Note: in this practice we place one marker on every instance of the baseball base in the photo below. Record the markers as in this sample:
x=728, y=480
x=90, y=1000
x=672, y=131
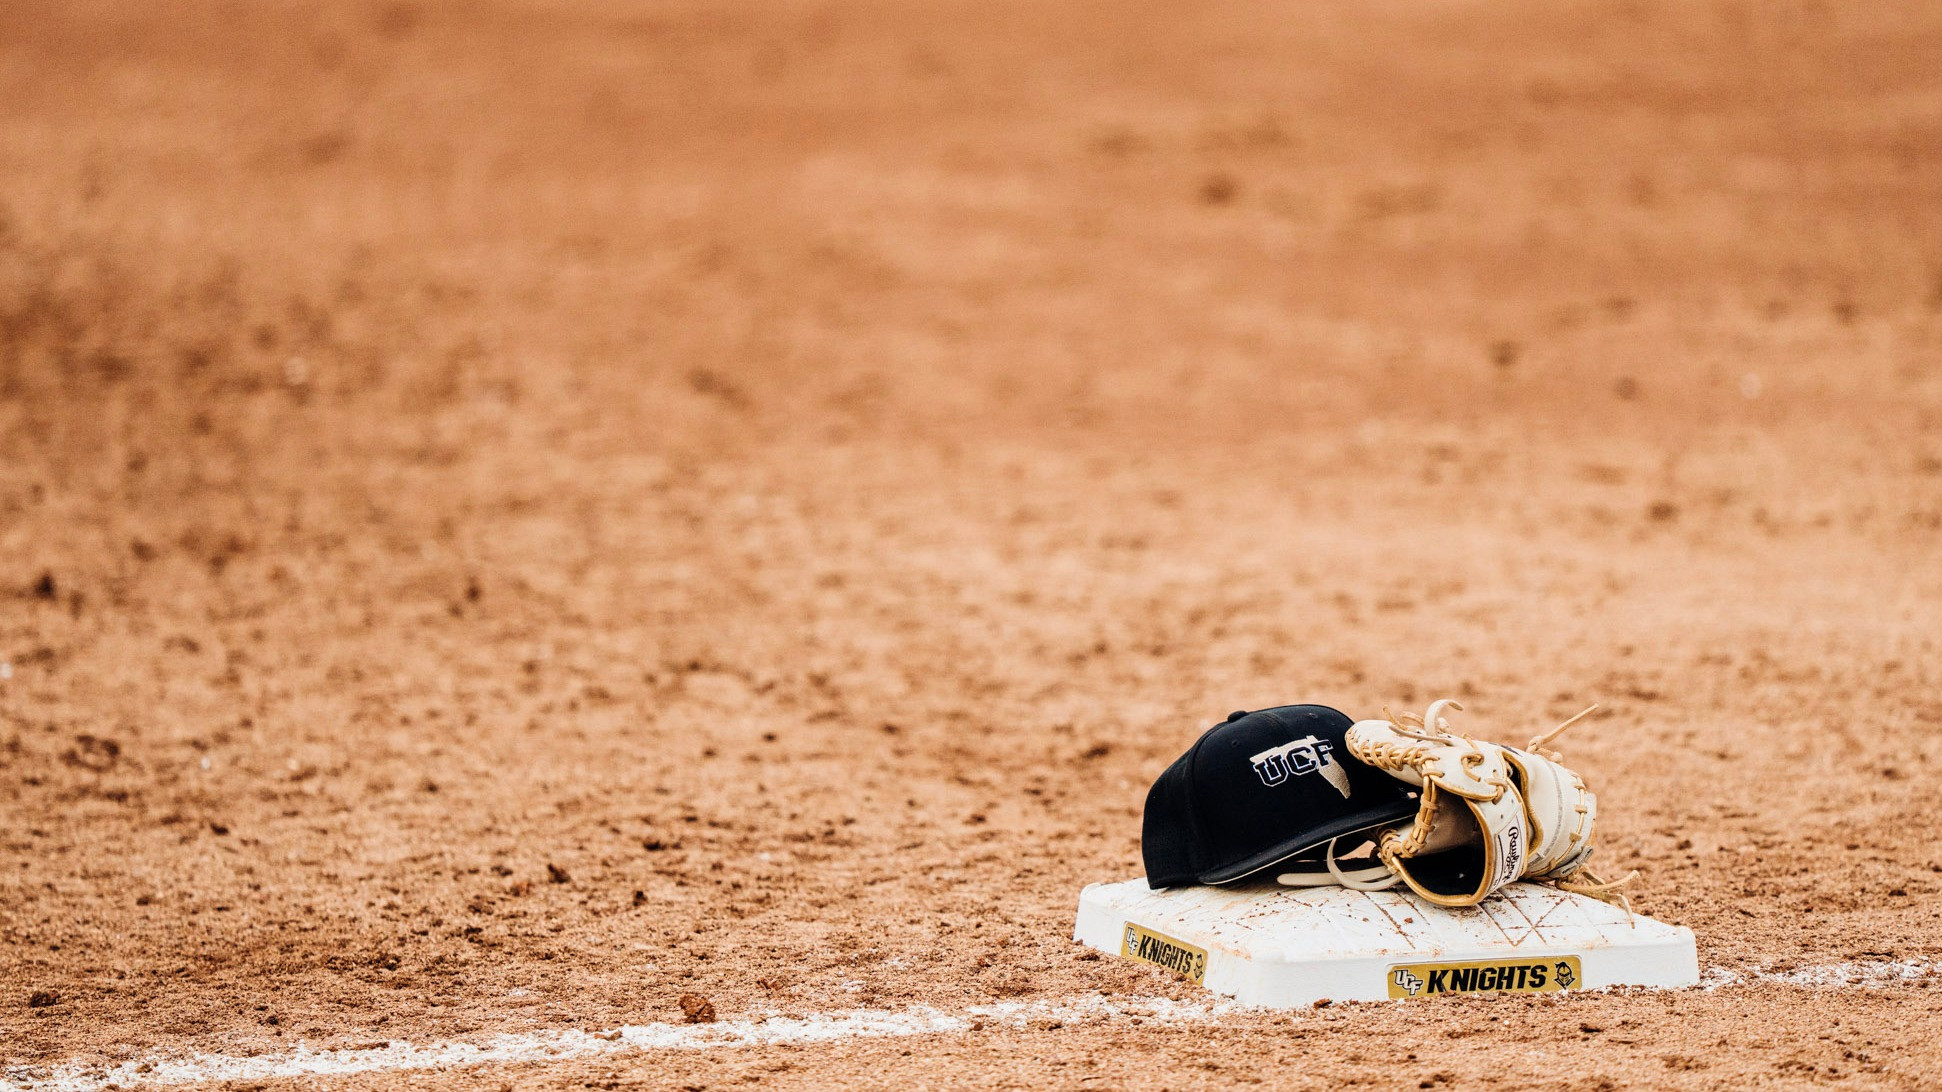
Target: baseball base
x=1290, y=947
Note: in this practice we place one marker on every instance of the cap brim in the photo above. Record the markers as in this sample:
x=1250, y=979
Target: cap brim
x=1319, y=836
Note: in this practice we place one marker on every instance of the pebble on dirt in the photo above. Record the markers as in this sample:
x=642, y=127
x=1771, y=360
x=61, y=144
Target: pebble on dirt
x=696, y=1009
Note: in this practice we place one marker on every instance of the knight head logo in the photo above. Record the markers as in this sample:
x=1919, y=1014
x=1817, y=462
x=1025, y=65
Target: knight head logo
x=1563, y=975
x=1304, y=756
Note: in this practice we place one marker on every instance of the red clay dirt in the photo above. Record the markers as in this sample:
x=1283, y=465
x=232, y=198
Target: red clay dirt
x=514, y=514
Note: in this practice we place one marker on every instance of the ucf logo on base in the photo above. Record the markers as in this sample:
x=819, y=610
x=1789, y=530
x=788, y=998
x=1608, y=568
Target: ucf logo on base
x=1147, y=946
x=1508, y=976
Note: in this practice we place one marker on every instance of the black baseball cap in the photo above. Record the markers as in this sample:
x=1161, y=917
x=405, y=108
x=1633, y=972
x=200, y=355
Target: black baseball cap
x=1259, y=789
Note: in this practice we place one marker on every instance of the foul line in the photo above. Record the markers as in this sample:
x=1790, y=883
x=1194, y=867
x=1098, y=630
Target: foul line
x=555, y=1046
x=1827, y=975
x=558, y=1046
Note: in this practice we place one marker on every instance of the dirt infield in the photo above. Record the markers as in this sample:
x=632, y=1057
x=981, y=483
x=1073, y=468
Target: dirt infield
x=515, y=515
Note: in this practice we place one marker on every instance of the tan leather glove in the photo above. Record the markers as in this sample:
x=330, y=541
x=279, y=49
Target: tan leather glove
x=1487, y=815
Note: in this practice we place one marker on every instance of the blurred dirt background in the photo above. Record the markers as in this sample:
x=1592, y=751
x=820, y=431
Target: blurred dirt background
x=514, y=513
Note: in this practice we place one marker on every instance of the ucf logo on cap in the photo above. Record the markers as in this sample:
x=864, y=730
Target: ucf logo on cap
x=1303, y=756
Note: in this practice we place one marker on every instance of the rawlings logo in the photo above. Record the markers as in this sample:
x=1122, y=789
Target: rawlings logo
x=1512, y=864
x=1303, y=756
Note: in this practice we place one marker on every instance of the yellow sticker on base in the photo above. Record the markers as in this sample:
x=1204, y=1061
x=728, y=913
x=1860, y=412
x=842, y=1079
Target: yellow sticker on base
x=1548, y=975
x=1141, y=943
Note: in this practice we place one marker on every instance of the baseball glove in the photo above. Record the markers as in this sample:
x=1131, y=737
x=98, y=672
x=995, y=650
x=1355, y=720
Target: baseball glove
x=1486, y=814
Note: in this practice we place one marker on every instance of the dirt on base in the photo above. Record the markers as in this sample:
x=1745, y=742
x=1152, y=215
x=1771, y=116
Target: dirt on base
x=514, y=515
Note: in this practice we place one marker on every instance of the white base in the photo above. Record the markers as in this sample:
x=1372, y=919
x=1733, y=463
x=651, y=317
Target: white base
x=1287, y=947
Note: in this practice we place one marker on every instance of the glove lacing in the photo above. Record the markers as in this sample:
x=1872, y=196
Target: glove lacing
x=1378, y=878
x=1602, y=890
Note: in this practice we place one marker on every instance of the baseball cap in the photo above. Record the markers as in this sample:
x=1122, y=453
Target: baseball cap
x=1258, y=789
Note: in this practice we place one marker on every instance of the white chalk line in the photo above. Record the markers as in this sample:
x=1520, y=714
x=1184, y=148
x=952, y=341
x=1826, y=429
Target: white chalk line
x=555, y=1046
x=774, y=1030
x=1871, y=973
